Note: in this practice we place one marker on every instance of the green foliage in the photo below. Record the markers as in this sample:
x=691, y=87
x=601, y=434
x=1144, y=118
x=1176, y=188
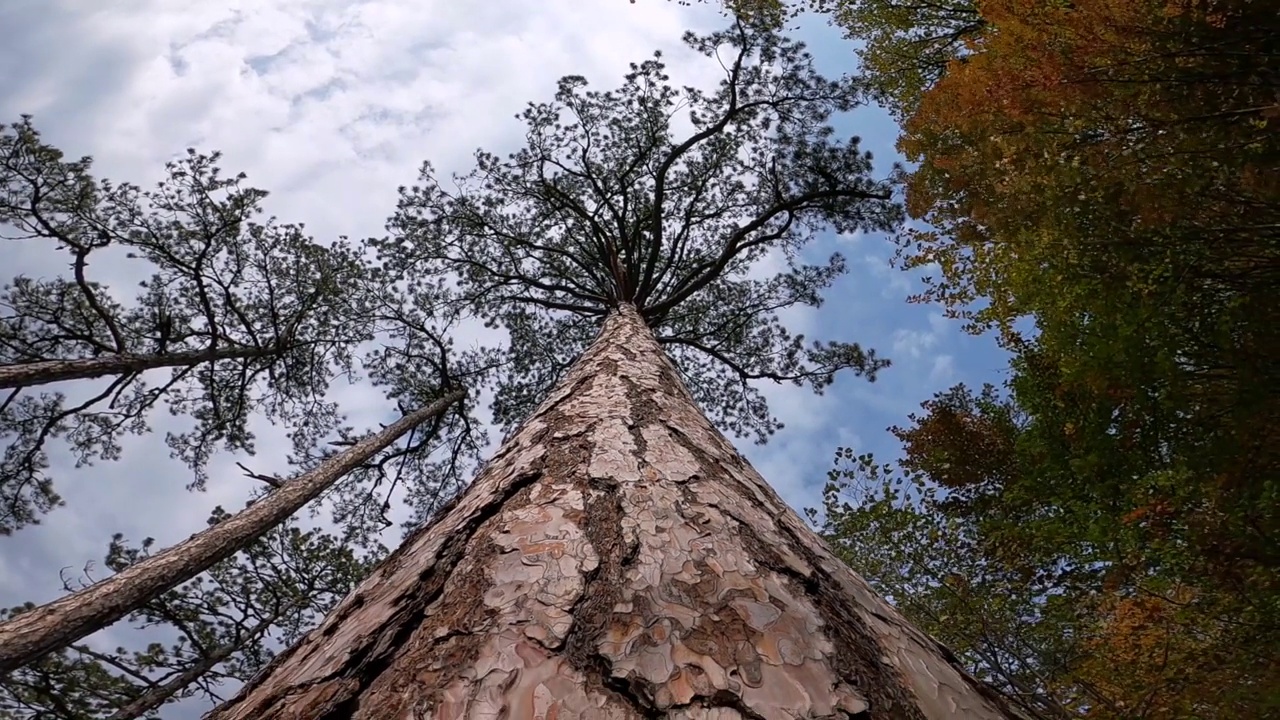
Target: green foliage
x=1010, y=629
x=905, y=46
x=666, y=198
x=253, y=320
x=1038, y=545
x=228, y=624
x=215, y=279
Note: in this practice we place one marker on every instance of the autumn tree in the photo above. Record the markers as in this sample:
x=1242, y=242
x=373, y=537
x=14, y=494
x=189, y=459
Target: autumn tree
x=1144, y=658
x=246, y=316
x=1147, y=256
x=1052, y=643
x=1013, y=576
x=1091, y=184
x=617, y=557
x=1022, y=544
x=902, y=46
x=905, y=46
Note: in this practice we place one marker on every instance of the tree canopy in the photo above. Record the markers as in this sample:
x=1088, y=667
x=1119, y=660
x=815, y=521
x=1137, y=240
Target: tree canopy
x=1092, y=187
x=251, y=317
x=252, y=320
x=666, y=198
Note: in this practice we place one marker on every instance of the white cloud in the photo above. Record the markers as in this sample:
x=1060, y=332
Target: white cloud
x=913, y=343
x=325, y=99
x=896, y=284
x=850, y=239
x=944, y=368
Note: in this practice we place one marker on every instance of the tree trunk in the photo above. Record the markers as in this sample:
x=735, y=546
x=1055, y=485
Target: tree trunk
x=615, y=559
x=65, y=620
x=49, y=371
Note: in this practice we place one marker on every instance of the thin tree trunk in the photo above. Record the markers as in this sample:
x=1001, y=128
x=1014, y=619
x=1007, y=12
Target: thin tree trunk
x=65, y=620
x=160, y=694
x=615, y=559
x=49, y=371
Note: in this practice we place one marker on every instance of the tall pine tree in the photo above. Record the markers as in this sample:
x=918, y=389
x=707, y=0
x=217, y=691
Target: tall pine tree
x=617, y=558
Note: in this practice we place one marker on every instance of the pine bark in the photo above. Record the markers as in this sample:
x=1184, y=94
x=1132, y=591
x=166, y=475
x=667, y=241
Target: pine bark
x=57, y=624
x=50, y=371
x=615, y=559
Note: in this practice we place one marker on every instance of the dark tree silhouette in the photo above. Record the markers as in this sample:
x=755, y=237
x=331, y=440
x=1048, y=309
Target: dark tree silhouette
x=248, y=316
x=666, y=198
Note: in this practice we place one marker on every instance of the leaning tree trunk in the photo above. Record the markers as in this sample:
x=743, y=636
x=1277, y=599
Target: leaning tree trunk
x=615, y=559
x=57, y=624
x=43, y=372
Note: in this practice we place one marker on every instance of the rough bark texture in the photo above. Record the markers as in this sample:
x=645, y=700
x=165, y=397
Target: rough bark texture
x=48, y=371
x=615, y=559
x=53, y=625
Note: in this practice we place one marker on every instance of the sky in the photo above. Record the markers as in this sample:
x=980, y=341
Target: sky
x=332, y=104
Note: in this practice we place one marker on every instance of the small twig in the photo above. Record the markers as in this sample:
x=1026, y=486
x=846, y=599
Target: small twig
x=62, y=575
x=271, y=480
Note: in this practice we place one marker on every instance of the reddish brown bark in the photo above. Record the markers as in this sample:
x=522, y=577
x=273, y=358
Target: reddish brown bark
x=57, y=624
x=615, y=559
